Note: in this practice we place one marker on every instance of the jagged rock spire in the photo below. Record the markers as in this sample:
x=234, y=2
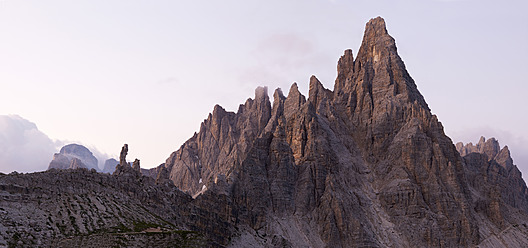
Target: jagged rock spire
x=122, y=157
x=377, y=72
x=345, y=68
x=377, y=43
x=135, y=165
x=490, y=148
x=294, y=101
x=124, y=168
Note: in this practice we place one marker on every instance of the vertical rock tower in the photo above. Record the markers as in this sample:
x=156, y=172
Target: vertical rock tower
x=364, y=165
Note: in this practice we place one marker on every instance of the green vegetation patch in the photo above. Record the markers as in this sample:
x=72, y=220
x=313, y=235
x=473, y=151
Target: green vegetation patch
x=141, y=226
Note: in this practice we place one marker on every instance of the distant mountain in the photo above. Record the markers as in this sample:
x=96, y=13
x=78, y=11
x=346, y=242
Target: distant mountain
x=364, y=165
x=110, y=165
x=490, y=169
x=74, y=156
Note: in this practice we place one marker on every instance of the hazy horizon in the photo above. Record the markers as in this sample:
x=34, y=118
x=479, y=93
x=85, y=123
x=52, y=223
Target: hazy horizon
x=102, y=74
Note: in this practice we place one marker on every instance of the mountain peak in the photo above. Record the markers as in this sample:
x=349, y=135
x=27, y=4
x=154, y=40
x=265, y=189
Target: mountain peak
x=261, y=93
x=376, y=25
x=278, y=94
x=377, y=44
x=294, y=101
x=345, y=66
x=490, y=148
x=65, y=158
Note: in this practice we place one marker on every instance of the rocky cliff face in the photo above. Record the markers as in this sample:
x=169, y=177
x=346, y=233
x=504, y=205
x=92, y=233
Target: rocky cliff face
x=491, y=171
x=499, y=194
x=363, y=165
x=73, y=156
x=366, y=164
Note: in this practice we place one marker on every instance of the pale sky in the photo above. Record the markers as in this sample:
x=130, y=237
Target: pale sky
x=147, y=73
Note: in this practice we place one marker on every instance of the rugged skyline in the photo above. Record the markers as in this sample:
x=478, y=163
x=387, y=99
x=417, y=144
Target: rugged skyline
x=366, y=164
x=84, y=71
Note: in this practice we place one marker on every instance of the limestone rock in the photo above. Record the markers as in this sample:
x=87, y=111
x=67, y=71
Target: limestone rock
x=489, y=147
x=123, y=154
x=493, y=174
x=224, y=139
x=123, y=169
x=162, y=176
x=364, y=165
x=63, y=159
x=294, y=101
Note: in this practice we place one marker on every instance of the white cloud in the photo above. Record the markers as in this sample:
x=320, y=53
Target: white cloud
x=23, y=147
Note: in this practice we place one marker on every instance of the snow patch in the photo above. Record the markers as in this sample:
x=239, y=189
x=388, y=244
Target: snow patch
x=200, y=181
x=200, y=192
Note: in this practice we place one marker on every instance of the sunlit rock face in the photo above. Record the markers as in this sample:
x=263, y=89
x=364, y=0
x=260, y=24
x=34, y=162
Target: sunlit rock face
x=68, y=156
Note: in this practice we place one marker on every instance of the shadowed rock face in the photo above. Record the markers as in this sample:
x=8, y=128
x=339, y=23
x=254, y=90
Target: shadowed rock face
x=490, y=148
x=68, y=153
x=492, y=172
x=364, y=165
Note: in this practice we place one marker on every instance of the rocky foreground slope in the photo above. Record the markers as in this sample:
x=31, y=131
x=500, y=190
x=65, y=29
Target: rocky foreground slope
x=85, y=208
x=364, y=165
